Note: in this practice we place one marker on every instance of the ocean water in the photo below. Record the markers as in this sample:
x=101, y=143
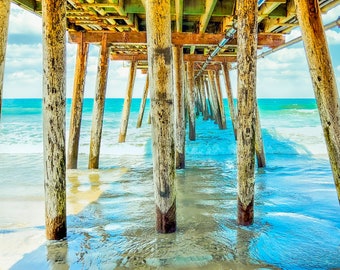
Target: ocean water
x=111, y=215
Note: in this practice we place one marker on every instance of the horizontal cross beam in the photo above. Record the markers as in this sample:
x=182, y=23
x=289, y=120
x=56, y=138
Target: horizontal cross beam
x=181, y=39
x=186, y=58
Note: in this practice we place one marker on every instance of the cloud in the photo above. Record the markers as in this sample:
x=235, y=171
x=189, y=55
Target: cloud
x=23, y=84
x=24, y=27
x=122, y=70
x=333, y=37
x=293, y=34
x=284, y=73
x=286, y=63
x=23, y=62
x=331, y=15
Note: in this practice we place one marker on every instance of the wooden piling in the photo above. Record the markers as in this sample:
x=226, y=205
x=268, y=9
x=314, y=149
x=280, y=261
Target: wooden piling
x=226, y=76
x=98, y=105
x=4, y=20
x=142, y=104
x=77, y=105
x=158, y=19
x=209, y=100
x=323, y=79
x=259, y=149
x=203, y=98
x=127, y=102
x=191, y=101
x=54, y=111
x=198, y=98
x=149, y=118
x=179, y=106
x=246, y=58
x=214, y=99
x=220, y=101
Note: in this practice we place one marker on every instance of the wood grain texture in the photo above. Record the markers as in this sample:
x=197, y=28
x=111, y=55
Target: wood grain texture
x=98, y=106
x=162, y=112
x=226, y=76
x=191, y=101
x=323, y=80
x=246, y=58
x=179, y=106
x=54, y=111
x=220, y=101
x=259, y=148
x=4, y=20
x=142, y=104
x=127, y=103
x=77, y=105
x=214, y=99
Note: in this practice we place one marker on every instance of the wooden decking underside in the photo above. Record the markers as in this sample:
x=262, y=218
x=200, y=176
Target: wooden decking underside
x=197, y=25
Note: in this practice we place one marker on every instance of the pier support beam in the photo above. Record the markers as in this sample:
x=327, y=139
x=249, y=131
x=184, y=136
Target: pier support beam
x=214, y=99
x=246, y=57
x=77, y=105
x=226, y=77
x=98, y=106
x=179, y=106
x=220, y=101
x=4, y=20
x=259, y=149
x=191, y=101
x=127, y=102
x=54, y=111
x=323, y=79
x=142, y=104
x=158, y=19
x=203, y=98
x=209, y=100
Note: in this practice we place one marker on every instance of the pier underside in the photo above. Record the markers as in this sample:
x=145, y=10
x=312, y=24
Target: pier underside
x=184, y=46
x=197, y=25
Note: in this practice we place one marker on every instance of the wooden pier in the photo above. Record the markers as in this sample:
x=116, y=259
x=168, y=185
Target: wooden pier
x=184, y=47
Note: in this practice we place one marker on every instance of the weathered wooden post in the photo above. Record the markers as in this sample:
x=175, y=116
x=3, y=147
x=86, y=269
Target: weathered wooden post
x=179, y=106
x=203, y=98
x=209, y=101
x=220, y=101
x=226, y=77
x=4, y=20
x=214, y=98
x=98, y=105
x=323, y=79
x=191, y=101
x=198, y=107
x=127, y=102
x=149, y=118
x=158, y=19
x=77, y=105
x=246, y=59
x=198, y=98
x=259, y=149
x=142, y=104
x=54, y=111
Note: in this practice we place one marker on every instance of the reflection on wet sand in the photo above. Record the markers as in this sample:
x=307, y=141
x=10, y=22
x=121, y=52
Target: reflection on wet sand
x=113, y=224
x=80, y=194
x=57, y=255
x=85, y=187
x=22, y=231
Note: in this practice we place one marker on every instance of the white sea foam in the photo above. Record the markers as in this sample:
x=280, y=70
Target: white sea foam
x=111, y=211
x=21, y=148
x=303, y=140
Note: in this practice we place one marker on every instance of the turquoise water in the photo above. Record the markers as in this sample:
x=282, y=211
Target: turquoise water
x=111, y=223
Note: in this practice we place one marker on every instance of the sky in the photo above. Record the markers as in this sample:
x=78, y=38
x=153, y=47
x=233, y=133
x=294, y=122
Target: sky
x=283, y=74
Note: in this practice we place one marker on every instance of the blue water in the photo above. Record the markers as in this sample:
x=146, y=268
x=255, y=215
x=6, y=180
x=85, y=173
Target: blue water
x=296, y=226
